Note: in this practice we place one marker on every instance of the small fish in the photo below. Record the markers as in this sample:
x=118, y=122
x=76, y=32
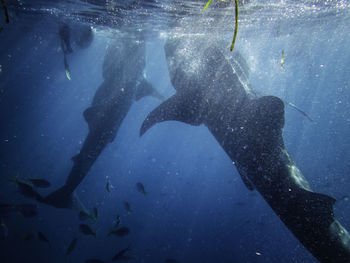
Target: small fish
x=93, y=260
x=108, y=187
x=127, y=207
x=28, y=236
x=26, y=189
x=27, y=210
x=120, y=232
x=86, y=230
x=282, y=59
x=121, y=255
x=4, y=232
x=68, y=74
x=37, y=182
x=141, y=188
x=71, y=246
x=43, y=238
x=301, y=111
x=95, y=213
x=66, y=67
x=83, y=215
x=117, y=222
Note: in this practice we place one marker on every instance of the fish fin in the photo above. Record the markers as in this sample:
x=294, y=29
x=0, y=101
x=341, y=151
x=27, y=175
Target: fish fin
x=268, y=112
x=66, y=67
x=110, y=232
x=97, y=230
x=92, y=217
x=182, y=106
x=64, y=198
x=61, y=198
x=308, y=206
x=146, y=89
x=318, y=203
x=75, y=158
x=92, y=114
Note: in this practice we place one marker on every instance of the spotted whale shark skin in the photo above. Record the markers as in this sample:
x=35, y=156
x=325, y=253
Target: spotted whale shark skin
x=211, y=90
x=124, y=83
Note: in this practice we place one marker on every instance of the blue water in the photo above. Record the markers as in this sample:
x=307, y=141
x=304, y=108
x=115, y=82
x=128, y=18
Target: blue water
x=197, y=209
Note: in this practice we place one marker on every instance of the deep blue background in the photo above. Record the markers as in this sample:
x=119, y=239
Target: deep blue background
x=197, y=209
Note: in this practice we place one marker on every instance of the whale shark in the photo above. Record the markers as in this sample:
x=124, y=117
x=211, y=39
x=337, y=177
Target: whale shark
x=212, y=90
x=124, y=82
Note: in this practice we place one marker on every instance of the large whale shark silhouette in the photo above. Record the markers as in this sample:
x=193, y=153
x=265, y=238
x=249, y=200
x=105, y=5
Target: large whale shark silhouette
x=124, y=82
x=212, y=90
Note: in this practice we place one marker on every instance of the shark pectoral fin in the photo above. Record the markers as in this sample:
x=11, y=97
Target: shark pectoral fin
x=184, y=107
x=75, y=158
x=91, y=114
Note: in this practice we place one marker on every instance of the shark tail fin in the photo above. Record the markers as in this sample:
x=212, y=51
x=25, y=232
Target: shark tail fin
x=64, y=198
x=185, y=107
x=61, y=198
x=146, y=89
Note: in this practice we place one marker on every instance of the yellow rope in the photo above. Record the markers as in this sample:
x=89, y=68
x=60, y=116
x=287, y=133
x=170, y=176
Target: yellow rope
x=206, y=6
x=236, y=26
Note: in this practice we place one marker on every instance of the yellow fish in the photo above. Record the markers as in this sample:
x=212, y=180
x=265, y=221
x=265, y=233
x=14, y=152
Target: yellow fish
x=282, y=59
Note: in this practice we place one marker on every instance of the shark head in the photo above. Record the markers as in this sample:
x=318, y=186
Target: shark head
x=204, y=78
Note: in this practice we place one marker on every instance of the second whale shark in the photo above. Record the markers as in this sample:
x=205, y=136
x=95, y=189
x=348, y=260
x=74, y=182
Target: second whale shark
x=211, y=89
x=124, y=82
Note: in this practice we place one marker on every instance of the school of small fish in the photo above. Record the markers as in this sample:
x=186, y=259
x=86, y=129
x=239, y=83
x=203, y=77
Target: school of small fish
x=28, y=210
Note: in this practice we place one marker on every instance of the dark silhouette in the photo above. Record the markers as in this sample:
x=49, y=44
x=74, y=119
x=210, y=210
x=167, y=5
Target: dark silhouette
x=124, y=82
x=210, y=90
